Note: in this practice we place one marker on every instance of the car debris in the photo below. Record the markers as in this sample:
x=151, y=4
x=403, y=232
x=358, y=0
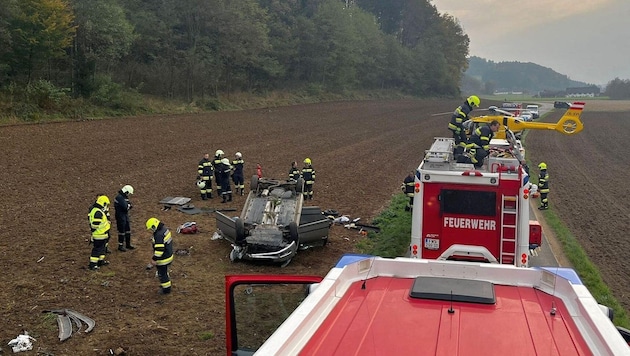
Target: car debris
x=23, y=342
x=65, y=319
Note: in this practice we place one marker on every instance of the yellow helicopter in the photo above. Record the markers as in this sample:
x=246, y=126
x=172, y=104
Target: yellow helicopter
x=569, y=123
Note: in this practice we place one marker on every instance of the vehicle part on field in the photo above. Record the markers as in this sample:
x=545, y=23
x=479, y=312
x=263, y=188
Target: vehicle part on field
x=65, y=318
x=65, y=327
x=212, y=210
x=175, y=200
x=331, y=212
x=189, y=209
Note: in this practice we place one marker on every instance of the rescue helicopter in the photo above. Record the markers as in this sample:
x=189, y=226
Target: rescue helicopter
x=569, y=123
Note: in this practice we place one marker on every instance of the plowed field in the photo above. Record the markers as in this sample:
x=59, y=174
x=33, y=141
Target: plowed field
x=361, y=152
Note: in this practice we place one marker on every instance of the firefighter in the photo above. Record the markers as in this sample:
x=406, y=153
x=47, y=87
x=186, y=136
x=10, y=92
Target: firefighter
x=162, y=242
x=238, y=177
x=308, y=174
x=457, y=120
x=205, y=173
x=543, y=186
x=294, y=172
x=225, y=170
x=479, y=143
x=408, y=187
x=216, y=163
x=98, y=217
x=122, y=205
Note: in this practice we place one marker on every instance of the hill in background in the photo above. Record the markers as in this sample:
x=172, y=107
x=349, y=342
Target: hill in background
x=488, y=77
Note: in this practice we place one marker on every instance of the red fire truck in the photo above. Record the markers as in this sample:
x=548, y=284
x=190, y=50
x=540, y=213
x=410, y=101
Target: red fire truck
x=479, y=214
x=473, y=214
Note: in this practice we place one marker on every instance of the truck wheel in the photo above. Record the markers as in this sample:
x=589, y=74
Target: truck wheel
x=293, y=232
x=299, y=186
x=239, y=228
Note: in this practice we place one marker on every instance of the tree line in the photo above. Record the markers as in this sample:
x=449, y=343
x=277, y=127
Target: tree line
x=196, y=49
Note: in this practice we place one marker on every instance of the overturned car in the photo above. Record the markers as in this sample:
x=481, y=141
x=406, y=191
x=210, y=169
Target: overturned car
x=274, y=224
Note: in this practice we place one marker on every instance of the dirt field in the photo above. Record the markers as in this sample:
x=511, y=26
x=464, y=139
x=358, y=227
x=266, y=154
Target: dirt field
x=361, y=152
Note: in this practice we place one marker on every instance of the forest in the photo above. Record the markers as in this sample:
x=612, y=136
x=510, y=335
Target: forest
x=105, y=51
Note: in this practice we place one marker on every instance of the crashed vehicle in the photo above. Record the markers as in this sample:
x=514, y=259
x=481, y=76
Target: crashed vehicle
x=274, y=223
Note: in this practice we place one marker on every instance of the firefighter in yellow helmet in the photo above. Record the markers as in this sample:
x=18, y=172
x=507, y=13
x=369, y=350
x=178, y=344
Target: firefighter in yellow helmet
x=457, y=120
x=162, y=252
x=98, y=218
x=308, y=174
x=543, y=186
x=408, y=187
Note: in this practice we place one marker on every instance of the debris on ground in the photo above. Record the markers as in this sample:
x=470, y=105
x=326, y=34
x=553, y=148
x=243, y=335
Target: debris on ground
x=65, y=320
x=184, y=251
x=189, y=227
x=23, y=342
x=216, y=236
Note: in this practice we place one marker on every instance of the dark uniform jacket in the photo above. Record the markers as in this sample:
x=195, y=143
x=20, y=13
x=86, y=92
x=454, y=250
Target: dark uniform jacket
x=482, y=136
x=205, y=169
x=122, y=206
x=162, y=245
x=459, y=116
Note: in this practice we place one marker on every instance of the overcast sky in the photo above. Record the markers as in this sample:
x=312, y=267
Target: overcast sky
x=587, y=40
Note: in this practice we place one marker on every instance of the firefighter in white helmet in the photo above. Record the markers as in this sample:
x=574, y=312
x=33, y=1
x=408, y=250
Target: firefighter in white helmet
x=308, y=174
x=225, y=170
x=122, y=205
x=238, y=176
x=205, y=174
x=216, y=164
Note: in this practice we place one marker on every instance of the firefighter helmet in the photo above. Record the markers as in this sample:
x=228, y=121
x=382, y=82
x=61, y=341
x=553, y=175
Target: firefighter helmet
x=127, y=189
x=542, y=165
x=238, y=155
x=473, y=101
x=201, y=184
x=103, y=201
x=219, y=153
x=225, y=161
x=307, y=161
x=152, y=223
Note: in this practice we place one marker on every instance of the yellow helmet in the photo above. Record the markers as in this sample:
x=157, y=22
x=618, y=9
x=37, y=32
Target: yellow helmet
x=542, y=165
x=152, y=223
x=102, y=200
x=473, y=101
x=307, y=161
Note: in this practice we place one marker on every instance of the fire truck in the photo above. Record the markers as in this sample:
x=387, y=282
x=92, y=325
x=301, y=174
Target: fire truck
x=476, y=214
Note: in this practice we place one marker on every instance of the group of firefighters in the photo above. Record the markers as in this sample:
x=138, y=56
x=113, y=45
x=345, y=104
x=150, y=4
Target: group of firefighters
x=220, y=169
x=475, y=149
x=100, y=225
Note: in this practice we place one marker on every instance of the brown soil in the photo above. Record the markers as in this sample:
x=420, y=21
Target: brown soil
x=361, y=151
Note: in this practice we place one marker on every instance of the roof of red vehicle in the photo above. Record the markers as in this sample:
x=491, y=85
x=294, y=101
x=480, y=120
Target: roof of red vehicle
x=383, y=319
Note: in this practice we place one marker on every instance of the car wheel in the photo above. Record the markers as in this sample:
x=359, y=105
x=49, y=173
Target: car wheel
x=293, y=232
x=285, y=263
x=239, y=228
x=233, y=255
x=254, y=183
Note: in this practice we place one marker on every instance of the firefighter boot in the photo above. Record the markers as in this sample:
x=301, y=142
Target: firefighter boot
x=121, y=241
x=203, y=196
x=229, y=197
x=224, y=198
x=128, y=244
x=164, y=291
x=210, y=195
x=102, y=263
x=93, y=267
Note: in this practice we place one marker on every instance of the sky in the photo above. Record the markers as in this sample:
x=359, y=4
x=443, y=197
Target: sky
x=587, y=40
